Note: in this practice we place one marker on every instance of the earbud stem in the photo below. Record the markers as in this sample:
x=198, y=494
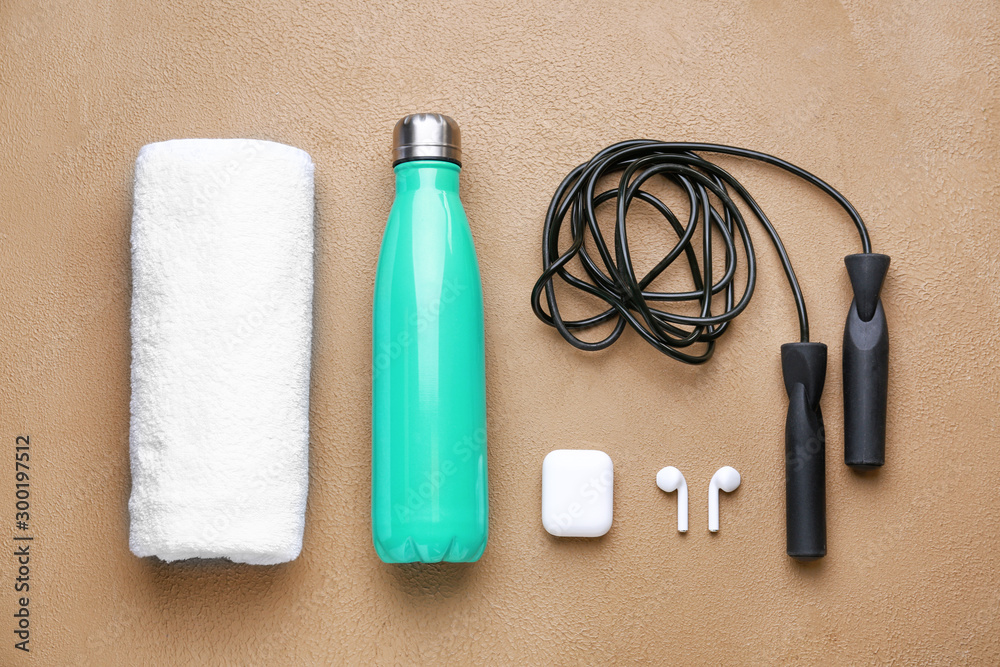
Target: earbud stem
x=803, y=366
x=682, y=508
x=713, y=507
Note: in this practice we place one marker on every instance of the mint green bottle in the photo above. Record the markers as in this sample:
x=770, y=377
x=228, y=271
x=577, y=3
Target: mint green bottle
x=429, y=495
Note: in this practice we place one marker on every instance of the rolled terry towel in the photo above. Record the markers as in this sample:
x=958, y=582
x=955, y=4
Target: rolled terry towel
x=222, y=283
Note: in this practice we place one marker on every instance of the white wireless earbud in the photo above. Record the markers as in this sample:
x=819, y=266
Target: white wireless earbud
x=727, y=479
x=670, y=479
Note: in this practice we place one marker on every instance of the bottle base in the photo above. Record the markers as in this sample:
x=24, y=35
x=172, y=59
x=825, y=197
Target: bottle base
x=445, y=551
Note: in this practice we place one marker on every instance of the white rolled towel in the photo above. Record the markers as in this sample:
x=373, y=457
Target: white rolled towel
x=222, y=285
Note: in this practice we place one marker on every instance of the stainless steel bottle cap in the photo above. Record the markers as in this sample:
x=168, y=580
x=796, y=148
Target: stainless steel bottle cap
x=426, y=136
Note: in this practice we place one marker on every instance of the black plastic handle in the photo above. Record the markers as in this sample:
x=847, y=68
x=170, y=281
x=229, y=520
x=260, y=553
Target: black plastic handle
x=803, y=366
x=866, y=364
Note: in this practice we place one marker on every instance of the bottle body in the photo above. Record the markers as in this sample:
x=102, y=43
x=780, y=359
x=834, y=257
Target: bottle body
x=429, y=482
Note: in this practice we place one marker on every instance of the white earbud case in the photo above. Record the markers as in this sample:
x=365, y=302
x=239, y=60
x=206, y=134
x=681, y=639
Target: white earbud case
x=577, y=487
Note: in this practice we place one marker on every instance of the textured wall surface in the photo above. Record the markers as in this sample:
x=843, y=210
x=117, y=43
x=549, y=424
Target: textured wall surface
x=895, y=103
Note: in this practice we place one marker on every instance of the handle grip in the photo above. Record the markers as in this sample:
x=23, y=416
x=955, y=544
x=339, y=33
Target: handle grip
x=803, y=366
x=866, y=364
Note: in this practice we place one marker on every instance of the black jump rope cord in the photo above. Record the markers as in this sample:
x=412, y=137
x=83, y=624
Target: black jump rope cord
x=618, y=285
x=712, y=208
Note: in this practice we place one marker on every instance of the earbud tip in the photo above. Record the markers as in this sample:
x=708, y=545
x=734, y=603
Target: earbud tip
x=729, y=479
x=668, y=479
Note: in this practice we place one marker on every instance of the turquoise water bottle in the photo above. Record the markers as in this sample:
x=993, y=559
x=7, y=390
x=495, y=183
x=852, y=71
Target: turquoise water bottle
x=429, y=496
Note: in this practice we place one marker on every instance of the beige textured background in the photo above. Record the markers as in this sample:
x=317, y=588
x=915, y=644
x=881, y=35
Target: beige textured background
x=893, y=102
